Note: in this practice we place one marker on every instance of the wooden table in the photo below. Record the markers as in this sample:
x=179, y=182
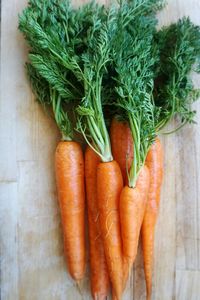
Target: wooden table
x=32, y=263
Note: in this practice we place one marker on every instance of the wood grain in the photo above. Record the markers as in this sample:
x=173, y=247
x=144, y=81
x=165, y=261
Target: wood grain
x=32, y=263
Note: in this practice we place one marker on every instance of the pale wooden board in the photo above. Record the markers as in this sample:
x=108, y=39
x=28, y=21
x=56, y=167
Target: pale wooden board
x=32, y=263
x=187, y=284
x=9, y=241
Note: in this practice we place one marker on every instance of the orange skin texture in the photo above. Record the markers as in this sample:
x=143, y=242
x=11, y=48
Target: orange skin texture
x=122, y=145
x=109, y=187
x=126, y=272
x=99, y=277
x=154, y=161
x=132, y=209
x=69, y=167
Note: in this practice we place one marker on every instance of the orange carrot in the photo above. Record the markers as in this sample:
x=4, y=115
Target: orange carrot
x=132, y=209
x=154, y=161
x=69, y=167
x=99, y=274
x=109, y=186
x=122, y=145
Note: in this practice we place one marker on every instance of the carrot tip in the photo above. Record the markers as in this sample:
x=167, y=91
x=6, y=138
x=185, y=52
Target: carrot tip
x=100, y=297
x=79, y=286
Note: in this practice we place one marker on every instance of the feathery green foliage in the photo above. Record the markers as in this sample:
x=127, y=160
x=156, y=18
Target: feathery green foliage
x=69, y=49
x=94, y=56
x=97, y=61
x=47, y=96
x=90, y=110
x=58, y=35
x=135, y=62
x=127, y=13
x=179, y=46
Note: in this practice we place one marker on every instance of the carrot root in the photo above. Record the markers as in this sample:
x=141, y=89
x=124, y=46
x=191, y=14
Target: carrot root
x=69, y=167
x=99, y=278
x=132, y=208
x=154, y=161
x=109, y=186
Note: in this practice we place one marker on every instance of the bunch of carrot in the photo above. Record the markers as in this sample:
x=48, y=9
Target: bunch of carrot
x=124, y=81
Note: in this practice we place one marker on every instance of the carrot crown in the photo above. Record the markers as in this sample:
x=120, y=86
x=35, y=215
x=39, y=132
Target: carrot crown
x=134, y=64
x=70, y=50
x=91, y=119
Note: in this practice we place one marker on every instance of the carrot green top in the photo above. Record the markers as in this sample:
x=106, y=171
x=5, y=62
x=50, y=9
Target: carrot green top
x=75, y=54
x=135, y=62
x=96, y=61
x=70, y=49
x=48, y=96
x=153, y=79
x=43, y=24
x=179, y=46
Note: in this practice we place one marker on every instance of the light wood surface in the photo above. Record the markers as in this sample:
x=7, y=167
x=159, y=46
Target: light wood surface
x=32, y=263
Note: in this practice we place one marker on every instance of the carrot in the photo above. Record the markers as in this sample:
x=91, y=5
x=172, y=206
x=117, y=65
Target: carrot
x=122, y=150
x=91, y=123
x=69, y=167
x=109, y=186
x=154, y=161
x=126, y=273
x=132, y=208
x=122, y=145
x=99, y=274
x=134, y=76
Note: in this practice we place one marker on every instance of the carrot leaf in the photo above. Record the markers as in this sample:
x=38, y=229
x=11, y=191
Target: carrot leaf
x=179, y=46
x=47, y=96
x=135, y=61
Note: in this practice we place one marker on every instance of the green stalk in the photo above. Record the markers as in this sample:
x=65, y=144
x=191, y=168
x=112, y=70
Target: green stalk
x=95, y=137
x=96, y=130
x=60, y=116
x=135, y=166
